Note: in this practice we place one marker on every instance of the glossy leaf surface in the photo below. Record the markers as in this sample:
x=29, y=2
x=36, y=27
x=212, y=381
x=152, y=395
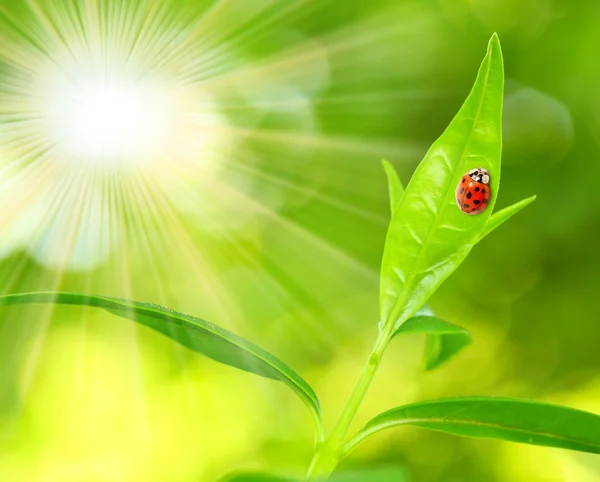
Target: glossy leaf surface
x=194, y=333
x=444, y=341
x=515, y=420
x=429, y=236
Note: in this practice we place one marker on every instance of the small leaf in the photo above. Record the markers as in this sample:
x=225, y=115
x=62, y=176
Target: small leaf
x=396, y=189
x=375, y=474
x=505, y=214
x=194, y=333
x=429, y=236
x=522, y=421
x=444, y=341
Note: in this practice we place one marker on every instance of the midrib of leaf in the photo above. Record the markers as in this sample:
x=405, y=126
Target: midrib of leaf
x=396, y=311
x=363, y=435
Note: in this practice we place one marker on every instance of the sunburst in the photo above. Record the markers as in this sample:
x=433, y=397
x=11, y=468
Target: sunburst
x=155, y=149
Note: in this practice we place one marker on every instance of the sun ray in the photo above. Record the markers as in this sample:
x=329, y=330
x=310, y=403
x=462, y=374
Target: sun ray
x=173, y=151
x=71, y=40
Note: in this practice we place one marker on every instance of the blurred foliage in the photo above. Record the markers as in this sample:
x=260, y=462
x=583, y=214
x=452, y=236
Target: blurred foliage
x=287, y=253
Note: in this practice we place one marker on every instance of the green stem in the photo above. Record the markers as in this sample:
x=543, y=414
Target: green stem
x=328, y=456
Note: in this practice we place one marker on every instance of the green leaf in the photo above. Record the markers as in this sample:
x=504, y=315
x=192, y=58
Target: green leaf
x=396, y=191
x=444, y=341
x=505, y=214
x=194, y=333
x=522, y=421
x=375, y=474
x=395, y=186
x=429, y=236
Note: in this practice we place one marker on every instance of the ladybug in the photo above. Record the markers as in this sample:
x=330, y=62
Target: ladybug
x=473, y=191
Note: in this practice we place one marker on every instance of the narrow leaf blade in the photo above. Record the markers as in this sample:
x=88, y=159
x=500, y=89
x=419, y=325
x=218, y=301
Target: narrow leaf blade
x=396, y=189
x=194, y=333
x=505, y=214
x=514, y=420
x=429, y=236
x=444, y=339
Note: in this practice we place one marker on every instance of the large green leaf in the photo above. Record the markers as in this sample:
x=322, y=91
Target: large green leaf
x=194, y=333
x=396, y=191
x=509, y=419
x=428, y=235
x=375, y=474
x=444, y=341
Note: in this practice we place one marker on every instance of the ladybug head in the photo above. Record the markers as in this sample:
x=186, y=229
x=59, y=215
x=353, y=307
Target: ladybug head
x=480, y=174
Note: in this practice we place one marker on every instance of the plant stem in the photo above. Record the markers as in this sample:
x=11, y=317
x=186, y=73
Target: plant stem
x=327, y=457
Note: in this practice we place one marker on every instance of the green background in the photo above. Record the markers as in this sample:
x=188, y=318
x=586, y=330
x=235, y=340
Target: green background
x=282, y=242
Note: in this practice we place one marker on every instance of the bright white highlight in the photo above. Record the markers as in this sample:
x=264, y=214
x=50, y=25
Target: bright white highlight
x=102, y=146
x=108, y=123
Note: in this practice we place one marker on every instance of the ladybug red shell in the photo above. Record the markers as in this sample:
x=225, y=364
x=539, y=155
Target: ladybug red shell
x=473, y=191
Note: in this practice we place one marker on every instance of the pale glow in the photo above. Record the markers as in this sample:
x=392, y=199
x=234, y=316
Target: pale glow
x=108, y=143
x=108, y=122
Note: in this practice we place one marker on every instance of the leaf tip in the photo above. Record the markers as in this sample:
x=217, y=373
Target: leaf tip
x=528, y=200
x=494, y=41
x=494, y=47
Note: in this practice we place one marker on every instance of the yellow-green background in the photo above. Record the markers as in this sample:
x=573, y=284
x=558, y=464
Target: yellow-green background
x=286, y=250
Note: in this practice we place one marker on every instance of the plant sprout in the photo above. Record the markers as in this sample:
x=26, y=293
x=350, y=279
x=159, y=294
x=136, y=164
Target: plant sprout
x=427, y=240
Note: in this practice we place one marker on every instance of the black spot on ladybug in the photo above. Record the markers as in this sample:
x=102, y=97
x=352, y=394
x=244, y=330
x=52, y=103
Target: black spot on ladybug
x=469, y=194
x=462, y=190
x=485, y=201
x=477, y=202
x=476, y=189
x=466, y=206
x=483, y=191
x=464, y=179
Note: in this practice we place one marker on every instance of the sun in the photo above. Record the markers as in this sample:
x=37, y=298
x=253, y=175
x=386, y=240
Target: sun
x=109, y=115
x=108, y=122
x=101, y=137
